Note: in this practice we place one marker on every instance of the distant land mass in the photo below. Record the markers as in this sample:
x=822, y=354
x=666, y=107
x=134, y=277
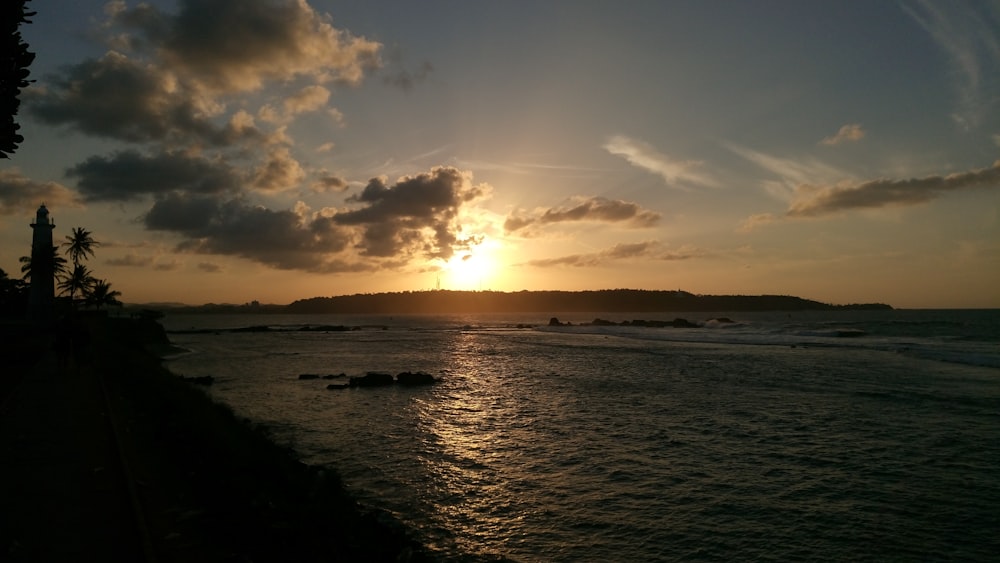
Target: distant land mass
x=607, y=300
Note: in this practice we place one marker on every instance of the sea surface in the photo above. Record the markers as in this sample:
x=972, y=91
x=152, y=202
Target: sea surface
x=819, y=436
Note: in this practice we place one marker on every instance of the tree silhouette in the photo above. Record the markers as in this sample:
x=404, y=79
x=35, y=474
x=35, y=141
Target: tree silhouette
x=58, y=265
x=80, y=245
x=14, y=61
x=101, y=294
x=79, y=280
x=13, y=295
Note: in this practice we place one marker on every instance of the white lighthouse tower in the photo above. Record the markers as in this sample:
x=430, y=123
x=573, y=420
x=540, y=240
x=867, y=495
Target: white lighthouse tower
x=41, y=295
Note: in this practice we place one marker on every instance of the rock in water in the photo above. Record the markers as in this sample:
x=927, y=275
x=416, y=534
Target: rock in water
x=372, y=379
x=418, y=378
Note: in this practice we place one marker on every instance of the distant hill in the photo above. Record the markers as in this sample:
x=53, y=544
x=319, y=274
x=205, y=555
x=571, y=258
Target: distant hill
x=608, y=300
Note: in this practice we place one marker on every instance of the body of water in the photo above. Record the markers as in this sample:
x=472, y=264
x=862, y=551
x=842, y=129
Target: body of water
x=865, y=435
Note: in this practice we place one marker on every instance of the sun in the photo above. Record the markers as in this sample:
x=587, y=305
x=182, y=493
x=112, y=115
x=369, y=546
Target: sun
x=471, y=270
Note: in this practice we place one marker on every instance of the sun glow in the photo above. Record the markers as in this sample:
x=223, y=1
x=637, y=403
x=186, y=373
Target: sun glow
x=471, y=270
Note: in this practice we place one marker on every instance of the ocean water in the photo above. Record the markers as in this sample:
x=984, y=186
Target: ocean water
x=820, y=436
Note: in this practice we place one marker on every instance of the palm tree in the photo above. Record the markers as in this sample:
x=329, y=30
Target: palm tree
x=80, y=245
x=80, y=279
x=100, y=293
x=58, y=265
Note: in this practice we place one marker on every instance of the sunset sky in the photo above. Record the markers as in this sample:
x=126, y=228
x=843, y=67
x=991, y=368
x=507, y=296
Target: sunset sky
x=235, y=150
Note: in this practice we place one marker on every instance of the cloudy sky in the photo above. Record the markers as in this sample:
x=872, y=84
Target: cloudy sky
x=238, y=150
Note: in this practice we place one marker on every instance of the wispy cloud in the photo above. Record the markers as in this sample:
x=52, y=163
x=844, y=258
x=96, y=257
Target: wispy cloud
x=648, y=250
x=22, y=195
x=131, y=260
x=754, y=221
x=406, y=80
x=966, y=31
x=824, y=200
x=597, y=209
x=676, y=173
x=791, y=172
x=527, y=167
x=166, y=265
x=330, y=183
x=848, y=133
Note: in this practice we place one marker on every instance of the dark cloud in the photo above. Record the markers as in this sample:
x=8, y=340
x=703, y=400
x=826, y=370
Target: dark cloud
x=237, y=45
x=124, y=99
x=180, y=82
x=131, y=260
x=209, y=267
x=128, y=175
x=20, y=195
x=652, y=250
x=199, y=200
x=593, y=209
x=186, y=214
x=416, y=215
x=171, y=77
x=281, y=239
x=815, y=202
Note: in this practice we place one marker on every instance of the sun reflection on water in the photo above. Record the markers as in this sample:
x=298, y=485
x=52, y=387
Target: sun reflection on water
x=478, y=429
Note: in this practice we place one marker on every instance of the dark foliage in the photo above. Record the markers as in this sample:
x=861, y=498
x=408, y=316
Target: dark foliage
x=13, y=296
x=14, y=61
x=610, y=300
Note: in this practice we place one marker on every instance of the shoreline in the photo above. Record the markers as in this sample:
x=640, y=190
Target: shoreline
x=244, y=490
x=212, y=486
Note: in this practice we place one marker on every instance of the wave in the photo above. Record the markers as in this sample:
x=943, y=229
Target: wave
x=968, y=352
x=963, y=337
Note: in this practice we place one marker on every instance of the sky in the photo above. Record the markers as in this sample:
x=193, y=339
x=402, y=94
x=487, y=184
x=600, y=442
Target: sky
x=226, y=151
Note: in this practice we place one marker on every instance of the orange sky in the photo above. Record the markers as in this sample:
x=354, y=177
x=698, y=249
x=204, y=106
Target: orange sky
x=289, y=150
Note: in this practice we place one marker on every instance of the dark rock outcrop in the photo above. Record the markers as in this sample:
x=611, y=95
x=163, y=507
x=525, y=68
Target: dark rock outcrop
x=418, y=378
x=372, y=379
x=255, y=328
x=318, y=376
x=328, y=328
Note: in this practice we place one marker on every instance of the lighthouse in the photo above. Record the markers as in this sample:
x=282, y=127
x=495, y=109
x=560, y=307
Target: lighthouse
x=41, y=295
